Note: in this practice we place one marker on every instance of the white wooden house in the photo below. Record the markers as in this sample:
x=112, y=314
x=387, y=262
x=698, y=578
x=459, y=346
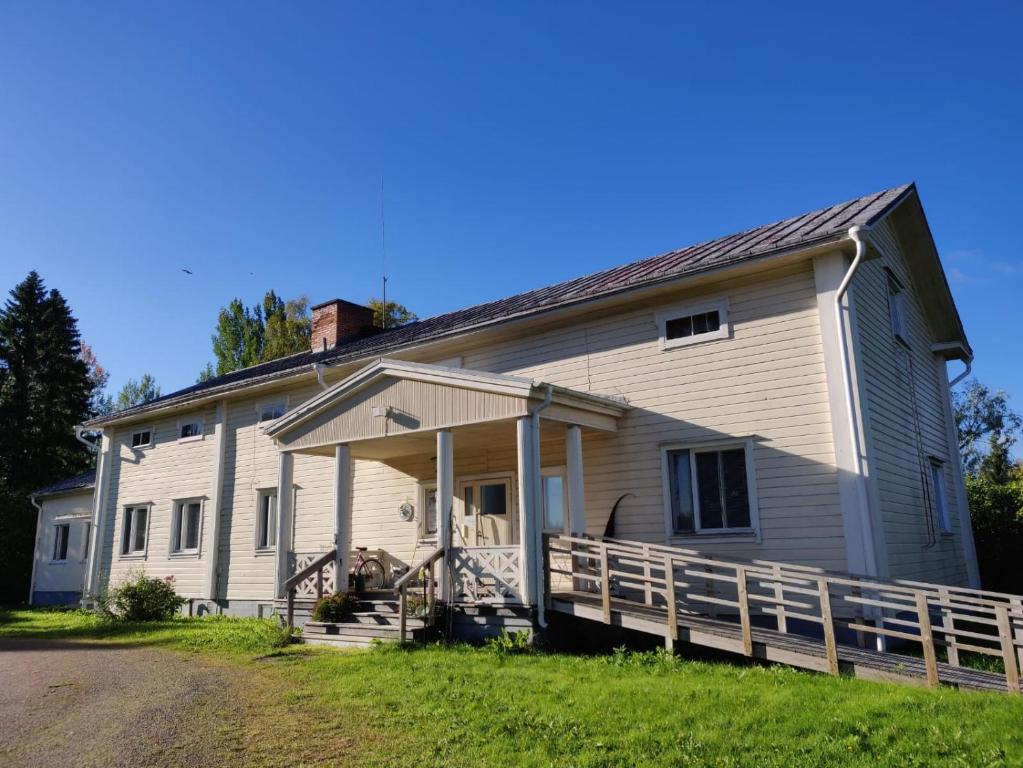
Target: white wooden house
x=63, y=528
x=779, y=394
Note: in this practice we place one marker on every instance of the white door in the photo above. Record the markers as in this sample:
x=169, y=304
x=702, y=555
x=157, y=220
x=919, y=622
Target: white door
x=487, y=515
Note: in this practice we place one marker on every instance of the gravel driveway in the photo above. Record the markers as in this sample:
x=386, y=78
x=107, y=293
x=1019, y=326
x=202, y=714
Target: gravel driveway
x=102, y=704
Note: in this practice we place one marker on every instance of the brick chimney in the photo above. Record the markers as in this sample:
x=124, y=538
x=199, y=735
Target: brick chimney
x=336, y=320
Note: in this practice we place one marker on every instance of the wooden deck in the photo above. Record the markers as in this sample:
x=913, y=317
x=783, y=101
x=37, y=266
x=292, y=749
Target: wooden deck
x=788, y=614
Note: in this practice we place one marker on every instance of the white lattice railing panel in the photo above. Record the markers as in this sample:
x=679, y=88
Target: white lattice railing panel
x=487, y=574
x=308, y=589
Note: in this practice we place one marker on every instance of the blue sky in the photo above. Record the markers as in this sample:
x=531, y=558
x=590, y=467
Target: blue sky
x=519, y=144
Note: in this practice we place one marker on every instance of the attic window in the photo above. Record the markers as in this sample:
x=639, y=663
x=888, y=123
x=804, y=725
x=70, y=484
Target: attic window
x=190, y=429
x=142, y=438
x=897, y=308
x=272, y=410
x=692, y=324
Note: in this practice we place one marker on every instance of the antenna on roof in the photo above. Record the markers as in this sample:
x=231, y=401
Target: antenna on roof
x=383, y=256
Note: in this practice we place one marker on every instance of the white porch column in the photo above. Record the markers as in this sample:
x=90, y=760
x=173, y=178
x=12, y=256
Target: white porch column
x=99, y=511
x=524, y=434
x=216, y=499
x=285, y=494
x=445, y=505
x=342, y=514
x=574, y=470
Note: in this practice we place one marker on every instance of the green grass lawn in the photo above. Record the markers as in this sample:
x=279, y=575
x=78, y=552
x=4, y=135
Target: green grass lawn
x=461, y=706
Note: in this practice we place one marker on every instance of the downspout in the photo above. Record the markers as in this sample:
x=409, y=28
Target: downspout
x=87, y=443
x=35, y=550
x=858, y=235
x=534, y=414
x=963, y=375
x=318, y=370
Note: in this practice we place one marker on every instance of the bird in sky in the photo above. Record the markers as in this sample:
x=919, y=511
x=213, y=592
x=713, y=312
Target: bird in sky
x=186, y=271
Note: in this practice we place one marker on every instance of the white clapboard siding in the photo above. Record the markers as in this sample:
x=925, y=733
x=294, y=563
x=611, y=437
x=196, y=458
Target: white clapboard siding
x=892, y=374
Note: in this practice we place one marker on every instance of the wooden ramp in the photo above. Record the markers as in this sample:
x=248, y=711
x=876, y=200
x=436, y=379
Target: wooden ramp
x=805, y=617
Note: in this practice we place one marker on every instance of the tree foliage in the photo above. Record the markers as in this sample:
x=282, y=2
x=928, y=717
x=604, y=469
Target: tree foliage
x=45, y=390
x=987, y=429
x=391, y=316
x=133, y=393
x=267, y=331
x=102, y=403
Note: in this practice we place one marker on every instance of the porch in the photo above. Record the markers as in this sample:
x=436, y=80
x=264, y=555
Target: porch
x=496, y=461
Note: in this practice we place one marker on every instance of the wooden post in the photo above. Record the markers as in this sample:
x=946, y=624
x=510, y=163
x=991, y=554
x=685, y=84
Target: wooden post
x=648, y=593
x=1016, y=622
x=291, y=608
x=285, y=491
x=605, y=584
x=319, y=584
x=445, y=502
x=711, y=591
x=431, y=601
x=948, y=624
x=744, y=620
x=1008, y=650
x=927, y=639
x=402, y=612
x=546, y=555
x=669, y=596
x=828, y=624
x=779, y=596
x=342, y=516
x=524, y=447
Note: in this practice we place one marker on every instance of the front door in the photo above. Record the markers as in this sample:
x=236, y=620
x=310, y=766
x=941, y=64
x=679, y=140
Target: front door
x=487, y=514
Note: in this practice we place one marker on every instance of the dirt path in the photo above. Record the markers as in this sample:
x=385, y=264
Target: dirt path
x=102, y=704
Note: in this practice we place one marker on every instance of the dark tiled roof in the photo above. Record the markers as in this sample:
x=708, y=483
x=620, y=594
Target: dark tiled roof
x=85, y=479
x=826, y=224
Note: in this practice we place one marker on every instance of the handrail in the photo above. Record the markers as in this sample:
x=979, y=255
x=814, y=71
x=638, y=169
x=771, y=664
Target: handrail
x=430, y=559
x=688, y=582
x=316, y=565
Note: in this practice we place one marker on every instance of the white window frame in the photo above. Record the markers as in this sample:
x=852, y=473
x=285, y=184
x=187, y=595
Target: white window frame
x=710, y=534
x=185, y=420
x=897, y=307
x=720, y=305
x=511, y=497
x=139, y=431
x=939, y=490
x=129, y=536
x=176, y=530
x=262, y=405
x=423, y=489
x=57, y=528
x=262, y=493
x=554, y=472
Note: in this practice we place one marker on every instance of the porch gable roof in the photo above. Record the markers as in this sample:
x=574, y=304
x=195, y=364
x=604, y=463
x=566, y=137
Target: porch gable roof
x=391, y=397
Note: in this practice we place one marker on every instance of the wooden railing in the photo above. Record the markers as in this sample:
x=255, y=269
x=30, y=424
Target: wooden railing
x=831, y=608
x=424, y=572
x=312, y=570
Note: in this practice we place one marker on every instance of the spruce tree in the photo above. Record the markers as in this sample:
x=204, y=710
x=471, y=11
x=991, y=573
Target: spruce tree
x=45, y=389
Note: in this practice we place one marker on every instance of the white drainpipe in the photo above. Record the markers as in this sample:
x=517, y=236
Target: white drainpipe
x=541, y=618
x=36, y=552
x=961, y=376
x=87, y=443
x=859, y=236
x=318, y=370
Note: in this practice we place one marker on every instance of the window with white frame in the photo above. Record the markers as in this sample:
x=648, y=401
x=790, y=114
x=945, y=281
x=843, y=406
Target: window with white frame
x=271, y=410
x=142, y=438
x=555, y=500
x=897, y=307
x=60, y=537
x=694, y=323
x=709, y=490
x=266, y=519
x=428, y=510
x=190, y=429
x=185, y=526
x=135, y=530
x=940, y=496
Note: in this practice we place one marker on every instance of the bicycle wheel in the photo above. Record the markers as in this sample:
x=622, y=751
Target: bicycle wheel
x=372, y=572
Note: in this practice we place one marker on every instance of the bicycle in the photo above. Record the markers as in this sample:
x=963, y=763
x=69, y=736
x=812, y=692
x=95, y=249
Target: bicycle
x=367, y=572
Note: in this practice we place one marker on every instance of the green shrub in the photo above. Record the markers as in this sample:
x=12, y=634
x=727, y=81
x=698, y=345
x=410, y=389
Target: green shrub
x=335, y=607
x=511, y=642
x=142, y=598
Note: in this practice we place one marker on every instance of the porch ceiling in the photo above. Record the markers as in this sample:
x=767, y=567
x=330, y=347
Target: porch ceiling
x=402, y=404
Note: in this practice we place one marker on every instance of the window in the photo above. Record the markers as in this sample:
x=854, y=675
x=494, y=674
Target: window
x=190, y=429
x=142, y=438
x=266, y=521
x=135, y=532
x=709, y=490
x=554, y=501
x=940, y=497
x=86, y=539
x=428, y=505
x=271, y=411
x=185, y=527
x=60, y=536
x=691, y=324
x=897, y=308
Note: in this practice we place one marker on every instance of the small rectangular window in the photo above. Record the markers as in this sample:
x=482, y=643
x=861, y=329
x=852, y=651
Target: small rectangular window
x=897, y=308
x=940, y=497
x=708, y=490
x=691, y=324
x=554, y=503
x=86, y=540
x=185, y=527
x=189, y=430
x=60, y=537
x=271, y=411
x=266, y=524
x=135, y=530
x=141, y=438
